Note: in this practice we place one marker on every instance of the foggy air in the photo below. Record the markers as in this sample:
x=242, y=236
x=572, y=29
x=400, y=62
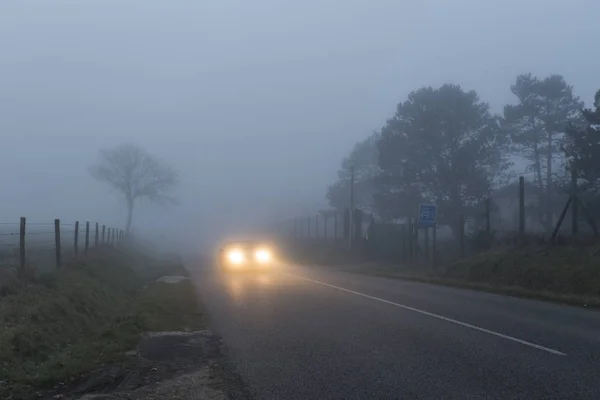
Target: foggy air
x=254, y=104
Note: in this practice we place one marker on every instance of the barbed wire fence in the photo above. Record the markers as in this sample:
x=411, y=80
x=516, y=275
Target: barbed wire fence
x=512, y=217
x=44, y=246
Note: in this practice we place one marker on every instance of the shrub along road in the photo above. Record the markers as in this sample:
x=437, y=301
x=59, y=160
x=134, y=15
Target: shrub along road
x=308, y=332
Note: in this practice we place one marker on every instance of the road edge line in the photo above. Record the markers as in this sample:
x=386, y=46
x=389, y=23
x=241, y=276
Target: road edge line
x=433, y=315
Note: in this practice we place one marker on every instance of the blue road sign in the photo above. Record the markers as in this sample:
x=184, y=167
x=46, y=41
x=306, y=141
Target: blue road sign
x=427, y=213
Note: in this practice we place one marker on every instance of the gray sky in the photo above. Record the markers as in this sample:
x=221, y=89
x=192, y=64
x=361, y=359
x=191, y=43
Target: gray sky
x=255, y=102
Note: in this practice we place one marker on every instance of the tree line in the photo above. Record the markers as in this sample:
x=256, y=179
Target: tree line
x=443, y=146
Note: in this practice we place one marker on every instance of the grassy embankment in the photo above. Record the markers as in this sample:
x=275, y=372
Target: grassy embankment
x=564, y=274
x=567, y=274
x=55, y=330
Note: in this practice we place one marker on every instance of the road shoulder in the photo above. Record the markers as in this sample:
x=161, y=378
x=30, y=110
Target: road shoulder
x=169, y=365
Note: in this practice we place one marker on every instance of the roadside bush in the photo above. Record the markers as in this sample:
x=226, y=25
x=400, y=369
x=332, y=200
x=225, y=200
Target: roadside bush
x=565, y=270
x=481, y=240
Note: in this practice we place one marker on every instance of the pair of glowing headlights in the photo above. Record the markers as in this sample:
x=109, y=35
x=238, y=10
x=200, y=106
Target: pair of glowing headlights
x=238, y=256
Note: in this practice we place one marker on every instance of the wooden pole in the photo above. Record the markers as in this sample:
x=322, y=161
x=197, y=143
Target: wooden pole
x=574, y=204
x=560, y=219
x=351, y=222
x=76, y=239
x=87, y=237
x=103, y=232
x=96, y=236
x=22, y=243
x=521, y=211
x=57, y=241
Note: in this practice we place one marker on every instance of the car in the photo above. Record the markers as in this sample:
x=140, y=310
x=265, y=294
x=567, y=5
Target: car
x=246, y=255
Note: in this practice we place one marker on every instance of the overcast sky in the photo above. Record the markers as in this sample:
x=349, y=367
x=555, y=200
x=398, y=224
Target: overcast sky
x=254, y=102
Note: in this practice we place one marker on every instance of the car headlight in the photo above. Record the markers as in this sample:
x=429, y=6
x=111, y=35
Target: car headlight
x=235, y=256
x=263, y=255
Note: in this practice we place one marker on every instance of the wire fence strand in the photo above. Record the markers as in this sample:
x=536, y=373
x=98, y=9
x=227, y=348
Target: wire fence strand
x=36, y=246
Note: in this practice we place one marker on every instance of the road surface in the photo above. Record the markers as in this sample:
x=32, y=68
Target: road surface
x=314, y=333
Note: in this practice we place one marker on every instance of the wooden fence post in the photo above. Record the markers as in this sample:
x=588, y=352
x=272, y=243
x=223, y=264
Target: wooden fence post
x=574, y=204
x=87, y=237
x=22, y=244
x=96, y=236
x=57, y=241
x=103, y=232
x=521, y=211
x=76, y=239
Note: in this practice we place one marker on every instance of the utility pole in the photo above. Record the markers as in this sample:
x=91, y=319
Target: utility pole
x=351, y=207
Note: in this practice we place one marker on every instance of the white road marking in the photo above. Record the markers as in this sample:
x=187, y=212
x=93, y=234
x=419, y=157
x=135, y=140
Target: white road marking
x=466, y=325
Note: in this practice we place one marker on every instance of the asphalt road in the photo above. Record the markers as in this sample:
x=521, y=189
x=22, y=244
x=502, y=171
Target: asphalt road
x=312, y=333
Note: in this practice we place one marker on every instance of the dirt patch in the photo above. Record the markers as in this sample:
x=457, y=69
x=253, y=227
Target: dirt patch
x=165, y=365
x=195, y=385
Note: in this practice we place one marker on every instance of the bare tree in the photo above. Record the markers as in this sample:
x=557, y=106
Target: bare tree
x=135, y=174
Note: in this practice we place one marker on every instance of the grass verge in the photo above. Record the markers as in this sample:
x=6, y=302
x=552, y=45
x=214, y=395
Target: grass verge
x=568, y=275
x=55, y=330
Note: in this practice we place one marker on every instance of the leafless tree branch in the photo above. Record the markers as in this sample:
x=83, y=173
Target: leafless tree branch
x=136, y=174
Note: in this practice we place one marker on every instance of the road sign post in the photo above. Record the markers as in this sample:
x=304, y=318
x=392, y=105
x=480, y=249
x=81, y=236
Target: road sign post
x=427, y=215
